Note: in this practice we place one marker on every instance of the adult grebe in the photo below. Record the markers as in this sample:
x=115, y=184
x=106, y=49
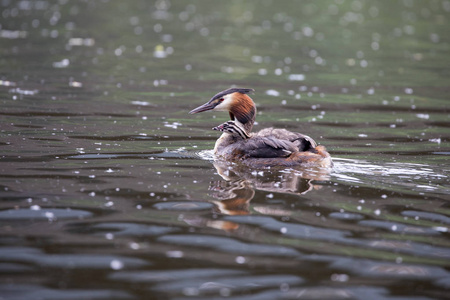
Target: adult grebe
x=268, y=147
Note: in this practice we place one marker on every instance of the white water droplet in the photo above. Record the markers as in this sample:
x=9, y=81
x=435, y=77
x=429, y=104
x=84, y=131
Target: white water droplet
x=116, y=264
x=240, y=260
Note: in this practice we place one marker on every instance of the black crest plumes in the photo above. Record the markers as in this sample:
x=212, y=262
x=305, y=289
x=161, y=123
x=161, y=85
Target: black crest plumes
x=230, y=91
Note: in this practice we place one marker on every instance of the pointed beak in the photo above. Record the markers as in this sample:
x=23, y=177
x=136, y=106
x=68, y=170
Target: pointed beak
x=204, y=107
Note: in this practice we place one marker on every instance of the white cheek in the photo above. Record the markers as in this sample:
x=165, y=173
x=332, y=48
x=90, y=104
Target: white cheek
x=224, y=105
x=221, y=107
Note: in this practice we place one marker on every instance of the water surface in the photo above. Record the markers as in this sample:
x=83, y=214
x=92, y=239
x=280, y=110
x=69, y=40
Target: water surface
x=109, y=188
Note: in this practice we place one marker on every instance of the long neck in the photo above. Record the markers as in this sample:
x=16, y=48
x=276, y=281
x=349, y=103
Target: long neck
x=244, y=111
x=223, y=141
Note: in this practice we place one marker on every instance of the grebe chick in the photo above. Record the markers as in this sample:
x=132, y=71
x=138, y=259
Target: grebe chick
x=268, y=147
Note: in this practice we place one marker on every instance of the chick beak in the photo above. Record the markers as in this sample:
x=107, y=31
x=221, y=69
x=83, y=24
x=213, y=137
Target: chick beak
x=204, y=107
x=218, y=128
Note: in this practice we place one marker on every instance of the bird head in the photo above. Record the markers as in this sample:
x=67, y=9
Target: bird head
x=234, y=100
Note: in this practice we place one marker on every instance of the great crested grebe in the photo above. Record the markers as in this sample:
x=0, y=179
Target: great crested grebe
x=268, y=147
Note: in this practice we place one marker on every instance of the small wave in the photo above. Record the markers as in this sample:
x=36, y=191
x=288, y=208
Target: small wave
x=175, y=154
x=342, y=165
x=426, y=178
x=205, y=154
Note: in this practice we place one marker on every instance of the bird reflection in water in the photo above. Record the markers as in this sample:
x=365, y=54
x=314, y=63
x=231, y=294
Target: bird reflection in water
x=232, y=195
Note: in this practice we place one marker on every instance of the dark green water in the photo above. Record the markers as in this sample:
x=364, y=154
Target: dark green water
x=108, y=186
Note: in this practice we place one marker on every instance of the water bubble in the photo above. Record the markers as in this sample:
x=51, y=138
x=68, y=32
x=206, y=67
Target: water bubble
x=175, y=254
x=408, y=29
x=134, y=246
x=35, y=23
x=423, y=116
x=273, y=93
x=308, y=31
x=440, y=229
x=296, y=77
x=61, y=64
x=204, y=31
x=183, y=16
x=81, y=42
x=240, y=260
x=339, y=277
x=157, y=27
x=116, y=264
x=319, y=60
x=118, y=52
x=288, y=27
x=134, y=20
x=434, y=37
x=49, y=215
x=35, y=207
x=437, y=140
x=375, y=46
x=75, y=84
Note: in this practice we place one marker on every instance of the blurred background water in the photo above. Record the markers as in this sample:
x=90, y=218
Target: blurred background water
x=109, y=189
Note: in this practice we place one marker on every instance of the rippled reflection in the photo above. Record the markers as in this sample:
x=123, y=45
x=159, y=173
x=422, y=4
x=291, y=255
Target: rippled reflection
x=236, y=190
